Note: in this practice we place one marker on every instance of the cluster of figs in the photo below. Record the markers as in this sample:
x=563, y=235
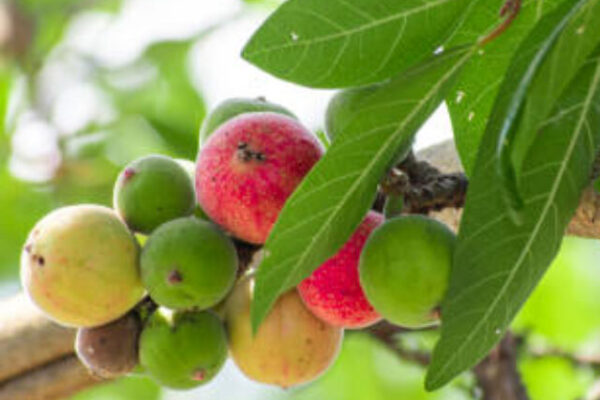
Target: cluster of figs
x=154, y=284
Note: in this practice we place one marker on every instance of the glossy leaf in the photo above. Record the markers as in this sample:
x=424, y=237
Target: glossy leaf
x=332, y=200
x=498, y=263
x=471, y=100
x=508, y=111
x=574, y=46
x=343, y=43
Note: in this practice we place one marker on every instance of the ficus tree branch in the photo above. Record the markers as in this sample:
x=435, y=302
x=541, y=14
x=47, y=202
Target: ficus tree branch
x=38, y=361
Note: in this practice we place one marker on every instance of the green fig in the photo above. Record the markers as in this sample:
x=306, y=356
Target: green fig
x=291, y=347
x=188, y=263
x=80, y=265
x=184, y=351
x=232, y=108
x=404, y=269
x=151, y=191
x=110, y=351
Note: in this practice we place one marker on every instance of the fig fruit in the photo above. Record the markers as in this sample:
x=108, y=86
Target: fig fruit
x=111, y=350
x=188, y=263
x=151, y=191
x=291, y=346
x=184, y=350
x=333, y=292
x=80, y=265
x=249, y=167
x=404, y=269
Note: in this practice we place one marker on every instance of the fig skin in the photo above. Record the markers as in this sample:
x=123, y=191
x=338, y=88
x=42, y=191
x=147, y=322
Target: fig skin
x=80, y=265
x=233, y=107
x=151, y=191
x=111, y=350
x=188, y=263
x=184, y=351
x=291, y=347
x=404, y=269
x=249, y=167
x=333, y=291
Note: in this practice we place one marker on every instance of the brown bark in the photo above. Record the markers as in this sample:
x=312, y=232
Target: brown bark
x=497, y=374
x=56, y=380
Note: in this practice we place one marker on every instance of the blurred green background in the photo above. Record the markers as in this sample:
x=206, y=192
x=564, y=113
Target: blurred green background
x=88, y=85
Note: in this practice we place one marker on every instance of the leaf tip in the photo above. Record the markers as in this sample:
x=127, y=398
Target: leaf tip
x=433, y=380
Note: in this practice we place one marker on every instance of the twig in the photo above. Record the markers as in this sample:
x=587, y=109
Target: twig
x=424, y=187
x=386, y=333
x=510, y=10
x=57, y=380
x=497, y=374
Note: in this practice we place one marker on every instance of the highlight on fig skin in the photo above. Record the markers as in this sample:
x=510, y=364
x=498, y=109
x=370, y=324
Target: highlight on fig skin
x=111, y=350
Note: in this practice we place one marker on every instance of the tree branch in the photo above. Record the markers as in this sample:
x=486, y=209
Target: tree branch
x=497, y=374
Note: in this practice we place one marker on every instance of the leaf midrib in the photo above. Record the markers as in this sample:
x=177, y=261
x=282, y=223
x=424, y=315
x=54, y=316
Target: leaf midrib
x=551, y=194
x=349, y=32
x=360, y=178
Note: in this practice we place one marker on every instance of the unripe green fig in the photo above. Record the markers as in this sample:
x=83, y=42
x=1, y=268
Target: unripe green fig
x=111, y=350
x=291, y=347
x=404, y=269
x=80, y=266
x=151, y=191
x=188, y=263
x=231, y=108
x=183, y=350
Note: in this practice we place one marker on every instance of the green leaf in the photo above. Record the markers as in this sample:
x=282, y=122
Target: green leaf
x=572, y=49
x=471, y=100
x=343, y=43
x=334, y=197
x=509, y=108
x=497, y=262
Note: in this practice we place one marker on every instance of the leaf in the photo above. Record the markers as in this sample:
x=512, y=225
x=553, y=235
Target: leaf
x=334, y=197
x=343, y=43
x=497, y=262
x=471, y=100
x=572, y=49
x=509, y=107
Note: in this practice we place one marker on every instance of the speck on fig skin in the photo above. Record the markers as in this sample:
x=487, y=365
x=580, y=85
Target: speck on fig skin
x=129, y=173
x=174, y=277
x=199, y=375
